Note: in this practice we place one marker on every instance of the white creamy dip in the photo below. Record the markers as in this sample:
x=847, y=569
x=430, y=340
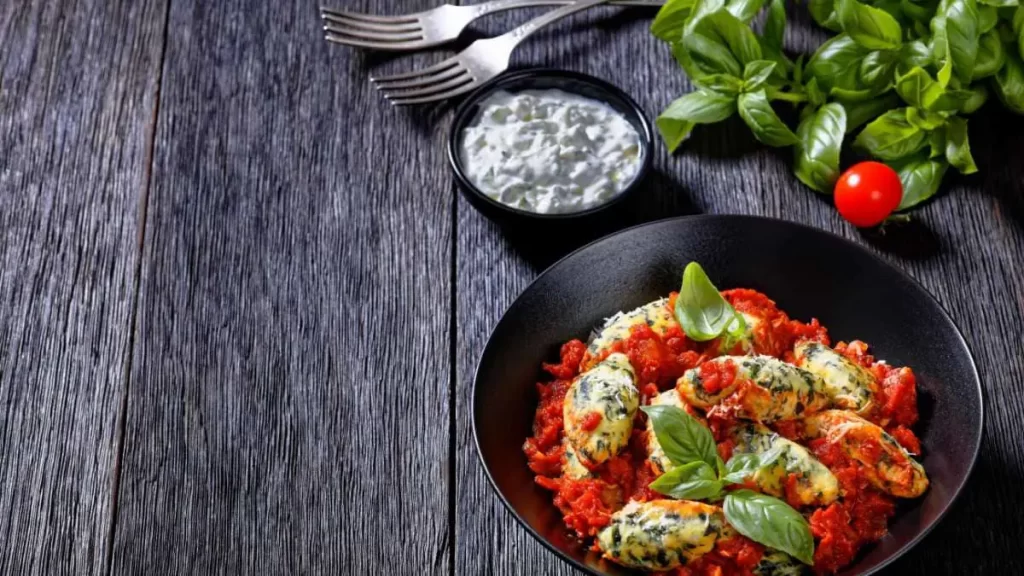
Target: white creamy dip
x=549, y=151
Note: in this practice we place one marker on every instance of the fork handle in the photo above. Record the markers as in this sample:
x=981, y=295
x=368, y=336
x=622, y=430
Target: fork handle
x=485, y=8
x=519, y=34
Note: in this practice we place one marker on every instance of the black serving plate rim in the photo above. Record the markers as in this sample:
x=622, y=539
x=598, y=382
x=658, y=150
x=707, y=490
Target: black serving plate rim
x=462, y=118
x=694, y=218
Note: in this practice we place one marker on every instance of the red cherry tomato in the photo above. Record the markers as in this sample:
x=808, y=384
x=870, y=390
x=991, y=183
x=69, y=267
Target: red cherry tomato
x=867, y=193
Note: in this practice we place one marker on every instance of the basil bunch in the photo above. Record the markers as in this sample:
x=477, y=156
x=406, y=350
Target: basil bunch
x=699, y=473
x=901, y=74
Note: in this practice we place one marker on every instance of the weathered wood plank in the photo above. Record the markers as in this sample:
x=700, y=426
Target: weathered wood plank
x=967, y=248
x=77, y=91
x=289, y=407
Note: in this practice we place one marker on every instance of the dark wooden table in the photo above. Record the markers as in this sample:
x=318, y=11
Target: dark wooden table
x=241, y=300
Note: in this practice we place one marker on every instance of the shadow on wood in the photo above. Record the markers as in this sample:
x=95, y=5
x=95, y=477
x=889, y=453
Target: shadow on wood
x=912, y=240
x=659, y=197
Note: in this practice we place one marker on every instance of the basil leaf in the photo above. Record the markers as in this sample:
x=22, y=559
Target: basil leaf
x=757, y=112
x=745, y=10
x=770, y=521
x=775, y=25
x=719, y=43
x=877, y=70
x=990, y=56
x=823, y=12
x=756, y=74
x=722, y=83
x=814, y=94
x=956, y=26
x=1009, y=83
x=891, y=136
x=693, y=481
x=945, y=73
x=860, y=113
x=837, y=63
x=958, y=149
x=919, y=11
x=921, y=177
x=917, y=87
x=817, y=152
x=681, y=436
x=702, y=8
x=891, y=7
x=978, y=97
x=914, y=55
x=682, y=57
x=999, y=3
x=710, y=56
x=740, y=467
x=924, y=120
x=743, y=466
x=870, y=27
x=701, y=107
x=988, y=17
x=936, y=143
x=783, y=65
x=700, y=308
x=671, y=19
x=920, y=90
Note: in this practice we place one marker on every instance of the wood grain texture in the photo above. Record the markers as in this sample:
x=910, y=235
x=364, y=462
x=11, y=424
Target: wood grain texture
x=77, y=91
x=966, y=247
x=289, y=407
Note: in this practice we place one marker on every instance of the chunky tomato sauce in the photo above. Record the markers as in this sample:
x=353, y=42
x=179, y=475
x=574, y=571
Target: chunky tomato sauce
x=659, y=358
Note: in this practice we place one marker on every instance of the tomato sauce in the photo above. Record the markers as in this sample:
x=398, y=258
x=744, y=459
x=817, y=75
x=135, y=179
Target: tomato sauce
x=775, y=333
x=716, y=376
x=896, y=397
x=859, y=518
x=659, y=358
x=736, y=555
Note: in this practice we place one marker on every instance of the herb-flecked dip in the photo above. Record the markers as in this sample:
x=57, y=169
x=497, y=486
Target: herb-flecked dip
x=708, y=433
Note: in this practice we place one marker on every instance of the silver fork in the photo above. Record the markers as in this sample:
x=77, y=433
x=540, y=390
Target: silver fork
x=478, y=63
x=424, y=29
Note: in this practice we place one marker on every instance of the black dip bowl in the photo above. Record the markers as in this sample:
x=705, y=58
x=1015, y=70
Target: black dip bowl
x=809, y=273
x=546, y=79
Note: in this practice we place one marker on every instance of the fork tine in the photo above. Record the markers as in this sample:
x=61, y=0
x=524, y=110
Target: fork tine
x=419, y=81
x=426, y=89
x=325, y=10
x=443, y=65
x=330, y=20
x=368, y=35
x=375, y=44
x=434, y=97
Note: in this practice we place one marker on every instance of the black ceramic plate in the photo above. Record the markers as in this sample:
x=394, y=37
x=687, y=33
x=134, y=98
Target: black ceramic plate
x=809, y=273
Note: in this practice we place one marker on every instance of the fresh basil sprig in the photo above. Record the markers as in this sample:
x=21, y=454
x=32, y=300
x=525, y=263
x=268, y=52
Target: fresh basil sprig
x=693, y=481
x=771, y=522
x=905, y=73
x=702, y=311
x=698, y=473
